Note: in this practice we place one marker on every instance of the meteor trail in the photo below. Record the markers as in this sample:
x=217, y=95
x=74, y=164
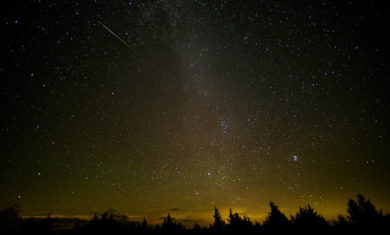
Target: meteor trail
x=109, y=30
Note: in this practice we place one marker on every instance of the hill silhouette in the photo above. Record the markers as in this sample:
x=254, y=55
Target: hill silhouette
x=362, y=218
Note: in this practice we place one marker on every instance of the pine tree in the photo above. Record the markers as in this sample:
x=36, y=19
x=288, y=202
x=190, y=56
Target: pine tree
x=276, y=220
x=219, y=223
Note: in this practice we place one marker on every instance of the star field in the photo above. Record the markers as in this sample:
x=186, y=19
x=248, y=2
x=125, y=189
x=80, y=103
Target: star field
x=150, y=107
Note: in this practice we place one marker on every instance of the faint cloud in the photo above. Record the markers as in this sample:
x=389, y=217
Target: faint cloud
x=174, y=209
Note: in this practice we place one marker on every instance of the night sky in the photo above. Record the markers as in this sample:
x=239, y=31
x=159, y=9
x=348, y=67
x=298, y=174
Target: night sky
x=150, y=107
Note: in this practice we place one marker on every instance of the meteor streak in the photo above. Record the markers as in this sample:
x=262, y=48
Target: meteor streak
x=109, y=30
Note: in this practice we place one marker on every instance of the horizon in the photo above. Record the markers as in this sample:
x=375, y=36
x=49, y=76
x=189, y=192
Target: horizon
x=187, y=218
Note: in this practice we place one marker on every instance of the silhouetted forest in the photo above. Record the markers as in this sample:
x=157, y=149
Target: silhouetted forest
x=362, y=218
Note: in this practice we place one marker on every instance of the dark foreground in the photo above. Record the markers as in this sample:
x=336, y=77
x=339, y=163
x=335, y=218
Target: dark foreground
x=362, y=218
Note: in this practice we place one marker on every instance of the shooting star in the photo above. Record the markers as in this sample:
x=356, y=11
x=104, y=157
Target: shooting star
x=109, y=30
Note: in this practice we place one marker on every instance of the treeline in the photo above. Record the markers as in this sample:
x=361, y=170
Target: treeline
x=362, y=218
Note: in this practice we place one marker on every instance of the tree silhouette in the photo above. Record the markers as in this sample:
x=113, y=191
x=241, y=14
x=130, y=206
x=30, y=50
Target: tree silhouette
x=170, y=226
x=167, y=221
x=362, y=211
x=10, y=219
x=276, y=220
x=342, y=225
x=107, y=223
x=238, y=223
x=197, y=229
x=233, y=220
x=219, y=223
x=362, y=218
x=363, y=215
x=144, y=224
x=309, y=221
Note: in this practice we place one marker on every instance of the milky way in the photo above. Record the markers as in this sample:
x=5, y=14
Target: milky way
x=198, y=104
